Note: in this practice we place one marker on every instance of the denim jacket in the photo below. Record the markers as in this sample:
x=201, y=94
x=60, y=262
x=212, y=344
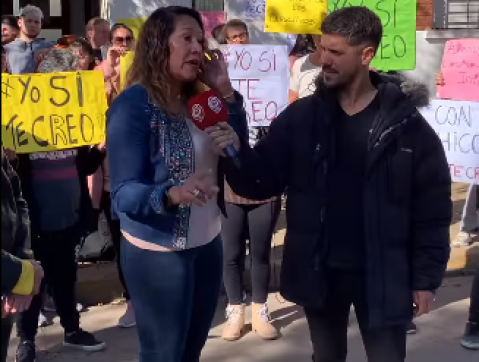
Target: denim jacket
x=148, y=154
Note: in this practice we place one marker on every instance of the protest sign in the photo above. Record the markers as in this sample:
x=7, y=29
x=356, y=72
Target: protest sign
x=134, y=24
x=457, y=125
x=125, y=63
x=397, y=50
x=254, y=9
x=460, y=69
x=295, y=16
x=53, y=111
x=261, y=74
x=212, y=19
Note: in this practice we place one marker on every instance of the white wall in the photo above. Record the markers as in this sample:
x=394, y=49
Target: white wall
x=121, y=9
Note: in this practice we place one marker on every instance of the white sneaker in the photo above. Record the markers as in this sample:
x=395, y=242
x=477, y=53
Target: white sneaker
x=43, y=321
x=462, y=239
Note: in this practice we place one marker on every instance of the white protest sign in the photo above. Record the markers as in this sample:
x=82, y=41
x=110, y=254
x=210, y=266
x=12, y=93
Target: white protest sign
x=254, y=9
x=457, y=125
x=261, y=74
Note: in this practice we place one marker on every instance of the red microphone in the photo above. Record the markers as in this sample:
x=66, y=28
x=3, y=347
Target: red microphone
x=208, y=109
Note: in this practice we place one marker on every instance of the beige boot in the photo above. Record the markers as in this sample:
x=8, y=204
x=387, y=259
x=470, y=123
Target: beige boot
x=261, y=322
x=234, y=323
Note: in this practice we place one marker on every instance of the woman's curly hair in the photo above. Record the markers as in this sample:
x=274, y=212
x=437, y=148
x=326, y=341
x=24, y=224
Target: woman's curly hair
x=150, y=66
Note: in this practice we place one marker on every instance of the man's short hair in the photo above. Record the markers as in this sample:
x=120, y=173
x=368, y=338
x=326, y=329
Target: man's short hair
x=358, y=24
x=33, y=11
x=235, y=23
x=94, y=22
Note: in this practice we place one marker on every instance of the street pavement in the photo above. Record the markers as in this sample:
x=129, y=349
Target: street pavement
x=436, y=341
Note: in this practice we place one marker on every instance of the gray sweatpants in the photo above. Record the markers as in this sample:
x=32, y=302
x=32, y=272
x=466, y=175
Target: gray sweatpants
x=470, y=214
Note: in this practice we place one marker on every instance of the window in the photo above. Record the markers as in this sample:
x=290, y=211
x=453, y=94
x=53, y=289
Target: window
x=456, y=14
x=208, y=5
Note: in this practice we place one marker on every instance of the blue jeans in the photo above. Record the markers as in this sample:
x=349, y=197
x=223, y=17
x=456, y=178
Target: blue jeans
x=174, y=295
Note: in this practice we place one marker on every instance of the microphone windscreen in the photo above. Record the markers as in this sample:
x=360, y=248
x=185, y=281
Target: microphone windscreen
x=207, y=109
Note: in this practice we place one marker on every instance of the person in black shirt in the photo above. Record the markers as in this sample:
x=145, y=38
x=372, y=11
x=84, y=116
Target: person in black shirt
x=369, y=194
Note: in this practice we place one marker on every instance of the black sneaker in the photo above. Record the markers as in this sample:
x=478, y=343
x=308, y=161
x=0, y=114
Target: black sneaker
x=411, y=328
x=470, y=340
x=84, y=341
x=26, y=352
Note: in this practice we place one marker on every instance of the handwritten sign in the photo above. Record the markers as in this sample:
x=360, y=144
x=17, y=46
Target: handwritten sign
x=254, y=9
x=295, y=16
x=460, y=69
x=125, y=63
x=397, y=50
x=457, y=125
x=212, y=19
x=261, y=74
x=134, y=24
x=47, y=112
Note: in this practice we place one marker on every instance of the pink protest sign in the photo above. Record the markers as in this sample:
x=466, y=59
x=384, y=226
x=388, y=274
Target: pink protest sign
x=460, y=69
x=212, y=19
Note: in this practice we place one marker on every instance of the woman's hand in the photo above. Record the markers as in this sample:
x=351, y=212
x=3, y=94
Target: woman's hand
x=439, y=79
x=114, y=55
x=197, y=189
x=223, y=136
x=214, y=73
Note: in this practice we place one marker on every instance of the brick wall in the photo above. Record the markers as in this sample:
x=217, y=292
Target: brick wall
x=424, y=14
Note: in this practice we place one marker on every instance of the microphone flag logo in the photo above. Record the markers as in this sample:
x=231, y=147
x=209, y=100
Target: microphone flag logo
x=215, y=104
x=197, y=113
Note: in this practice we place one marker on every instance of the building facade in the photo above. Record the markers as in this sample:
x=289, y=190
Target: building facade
x=437, y=21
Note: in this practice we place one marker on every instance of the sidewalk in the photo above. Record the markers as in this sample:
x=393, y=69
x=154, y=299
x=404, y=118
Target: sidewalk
x=437, y=339
x=94, y=279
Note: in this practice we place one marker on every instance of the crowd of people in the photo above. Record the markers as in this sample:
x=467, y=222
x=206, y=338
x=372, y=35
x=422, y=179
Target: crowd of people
x=181, y=215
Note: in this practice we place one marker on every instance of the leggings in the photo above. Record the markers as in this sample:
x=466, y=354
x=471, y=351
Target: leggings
x=259, y=222
x=115, y=232
x=474, y=309
x=175, y=295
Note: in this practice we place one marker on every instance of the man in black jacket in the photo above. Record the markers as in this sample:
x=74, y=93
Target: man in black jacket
x=21, y=276
x=368, y=207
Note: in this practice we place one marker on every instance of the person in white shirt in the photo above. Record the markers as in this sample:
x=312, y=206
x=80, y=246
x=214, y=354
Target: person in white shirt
x=304, y=72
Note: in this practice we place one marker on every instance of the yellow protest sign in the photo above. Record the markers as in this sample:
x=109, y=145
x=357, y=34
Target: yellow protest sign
x=295, y=16
x=53, y=111
x=134, y=24
x=125, y=63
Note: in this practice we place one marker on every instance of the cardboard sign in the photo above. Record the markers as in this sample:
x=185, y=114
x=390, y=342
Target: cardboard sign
x=125, y=63
x=261, y=74
x=457, y=125
x=53, y=111
x=460, y=69
x=295, y=16
x=211, y=19
x=397, y=50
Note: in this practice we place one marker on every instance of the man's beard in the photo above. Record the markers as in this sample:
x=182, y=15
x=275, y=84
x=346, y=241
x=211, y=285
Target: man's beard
x=30, y=36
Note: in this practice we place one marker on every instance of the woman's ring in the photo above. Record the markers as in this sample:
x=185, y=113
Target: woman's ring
x=196, y=192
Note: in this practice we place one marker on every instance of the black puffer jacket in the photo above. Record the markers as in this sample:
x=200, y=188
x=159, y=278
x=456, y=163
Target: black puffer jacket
x=407, y=204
